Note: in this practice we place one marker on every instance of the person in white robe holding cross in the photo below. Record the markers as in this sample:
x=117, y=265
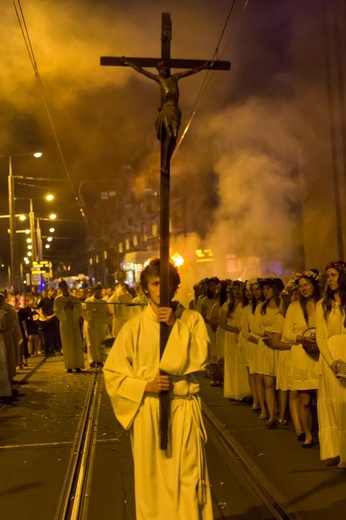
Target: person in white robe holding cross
x=172, y=484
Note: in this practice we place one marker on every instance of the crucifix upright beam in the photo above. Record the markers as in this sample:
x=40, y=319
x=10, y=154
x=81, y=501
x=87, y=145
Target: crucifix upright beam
x=167, y=126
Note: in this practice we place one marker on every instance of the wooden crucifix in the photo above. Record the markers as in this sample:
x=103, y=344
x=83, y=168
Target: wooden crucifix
x=167, y=127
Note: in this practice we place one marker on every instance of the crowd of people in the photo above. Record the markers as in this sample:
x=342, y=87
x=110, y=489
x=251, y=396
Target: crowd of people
x=65, y=321
x=280, y=348
x=283, y=349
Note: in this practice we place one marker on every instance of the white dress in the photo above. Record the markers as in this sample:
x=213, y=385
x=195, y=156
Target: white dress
x=170, y=484
x=265, y=357
x=242, y=317
x=303, y=369
x=331, y=403
x=282, y=359
x=210, y=310
x=236, y=381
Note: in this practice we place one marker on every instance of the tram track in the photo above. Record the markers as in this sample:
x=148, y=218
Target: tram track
x=97, y=453
x=73, y=497
x=272, y=504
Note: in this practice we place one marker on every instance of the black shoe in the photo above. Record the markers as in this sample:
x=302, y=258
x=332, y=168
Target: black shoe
x=308, y=445
x=78, y=371
x=69, y=370
x=92, y=364
x=301, y=437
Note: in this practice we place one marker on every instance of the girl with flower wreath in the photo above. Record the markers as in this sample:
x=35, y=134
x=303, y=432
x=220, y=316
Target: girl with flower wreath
x=331, y=340
x=248, y=346
x=265, y=357
x=209, y=312
x=235, y=384
x=303, y=369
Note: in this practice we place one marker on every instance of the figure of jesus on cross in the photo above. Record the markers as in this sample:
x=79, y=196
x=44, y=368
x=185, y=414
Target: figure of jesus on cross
x=169, y=118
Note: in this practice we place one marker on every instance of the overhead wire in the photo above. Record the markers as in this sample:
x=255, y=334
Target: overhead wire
x=27, y=40
x=208, y=75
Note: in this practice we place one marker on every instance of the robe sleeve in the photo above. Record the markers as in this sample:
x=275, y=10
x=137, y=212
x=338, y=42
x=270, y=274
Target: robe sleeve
x=125, y=390
x=187, y=347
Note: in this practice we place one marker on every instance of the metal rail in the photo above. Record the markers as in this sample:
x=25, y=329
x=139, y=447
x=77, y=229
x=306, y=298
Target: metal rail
x=71, y=496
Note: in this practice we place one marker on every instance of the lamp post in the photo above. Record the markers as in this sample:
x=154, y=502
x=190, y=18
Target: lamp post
x=15, y=274
x=15, y=267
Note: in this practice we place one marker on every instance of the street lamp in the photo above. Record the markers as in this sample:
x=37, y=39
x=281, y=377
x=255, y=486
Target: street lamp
x=15, y=272
x=35, y=239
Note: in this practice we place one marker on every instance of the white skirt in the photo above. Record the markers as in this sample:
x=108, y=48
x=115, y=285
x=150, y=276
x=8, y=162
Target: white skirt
x=331, y=405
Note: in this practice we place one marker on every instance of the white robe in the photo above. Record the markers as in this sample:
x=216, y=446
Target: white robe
x=331, y=402
x=70, y=332
x=99, y=326
x=170, y=484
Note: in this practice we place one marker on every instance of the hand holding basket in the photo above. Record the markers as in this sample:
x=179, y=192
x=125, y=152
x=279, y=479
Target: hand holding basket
x=309, y=343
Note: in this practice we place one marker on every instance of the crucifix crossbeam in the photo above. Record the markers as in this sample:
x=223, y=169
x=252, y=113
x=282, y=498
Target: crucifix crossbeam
x=167, y=126
x=173, y=63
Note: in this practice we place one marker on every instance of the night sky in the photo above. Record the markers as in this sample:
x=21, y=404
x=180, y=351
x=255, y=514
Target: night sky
x=249, y=129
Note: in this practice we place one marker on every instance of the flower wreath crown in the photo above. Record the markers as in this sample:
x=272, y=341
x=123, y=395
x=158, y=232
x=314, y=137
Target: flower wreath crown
x=339, y=265
x=306, y=274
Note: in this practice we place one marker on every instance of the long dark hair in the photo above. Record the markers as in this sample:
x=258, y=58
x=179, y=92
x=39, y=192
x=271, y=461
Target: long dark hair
x=231, y=303
x=316, y=296
x=277, y=285
x=254, y=302
x=329, y=296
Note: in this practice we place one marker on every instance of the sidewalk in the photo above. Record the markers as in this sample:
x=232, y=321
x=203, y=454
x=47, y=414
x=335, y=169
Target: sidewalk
x=313, y=489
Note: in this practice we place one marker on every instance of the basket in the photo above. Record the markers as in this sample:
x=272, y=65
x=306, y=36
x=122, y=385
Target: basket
x=309, y=346
x=341, y=370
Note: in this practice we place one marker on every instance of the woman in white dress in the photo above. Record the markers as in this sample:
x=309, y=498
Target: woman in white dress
x=303, y=368
x=265, y=357
x=331, y=340
x=209, y=313
x=257, y=389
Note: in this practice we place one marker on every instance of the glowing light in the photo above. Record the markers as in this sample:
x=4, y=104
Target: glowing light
x=47, y=246
x=29, y=253
x=27, y=231
x=22, y=218
x=52, y=216
x=177, y=259
x=29, y=246
x=49, y=196
x=38, y=154
x=51, y=230
x=49, y=239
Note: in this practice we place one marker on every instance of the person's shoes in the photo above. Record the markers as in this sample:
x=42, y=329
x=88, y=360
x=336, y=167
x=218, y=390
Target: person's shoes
x=342, y=464
x=69, y=370
x=271, y=424
x=301, y=437
x=282, y=422
x=78, y=371
x=263, y=416
x=92, y=364
x=308, y=445
x=334, y=461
